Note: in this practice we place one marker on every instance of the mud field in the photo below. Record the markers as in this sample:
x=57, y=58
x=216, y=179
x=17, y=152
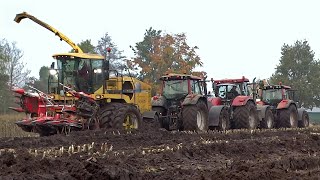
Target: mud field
x=158, y=154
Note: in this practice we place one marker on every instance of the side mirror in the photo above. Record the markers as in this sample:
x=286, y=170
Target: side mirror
x=52, y=65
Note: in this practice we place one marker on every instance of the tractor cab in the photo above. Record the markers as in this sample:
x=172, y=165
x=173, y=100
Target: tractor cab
x=274, y=94
x=226, y=90
x=178, y=86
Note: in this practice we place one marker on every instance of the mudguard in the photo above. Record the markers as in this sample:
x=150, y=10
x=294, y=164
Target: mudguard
x=241, y=100
x=158, y=101
x=214, y=114
x=300, y=113
x=191, y=99
x=262, y=111
x=149, y=114
x=285, y=104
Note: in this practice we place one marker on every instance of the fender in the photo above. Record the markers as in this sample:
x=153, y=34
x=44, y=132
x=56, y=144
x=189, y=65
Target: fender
x=192, y=99
x=158, y=101
x=285, y=104
x=214, y=114
x=241, y=100
x=300, y=113
x=215, y=101
x=262, y=111
x=149, y=114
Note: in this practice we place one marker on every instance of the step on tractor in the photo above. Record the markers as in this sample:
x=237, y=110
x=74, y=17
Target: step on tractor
x=278, y=107
x=182, y=103
x=83, y=92
x=232, y=106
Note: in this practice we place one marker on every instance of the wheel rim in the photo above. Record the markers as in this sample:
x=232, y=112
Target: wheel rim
x=200, y=120
x=292, y=119
x=269, y=122
x=130, y=122
x=223, y=123
x=252, y=120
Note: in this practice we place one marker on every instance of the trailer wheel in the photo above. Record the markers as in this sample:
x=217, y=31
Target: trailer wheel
x=120, y=116
x=195, y=117
x=268, y=120
x=305, y=120
x=289, y=117
x=246, y=116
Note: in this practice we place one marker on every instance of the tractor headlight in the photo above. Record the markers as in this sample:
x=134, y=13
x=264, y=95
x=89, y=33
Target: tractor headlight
x=97, y=71
x=53, y=72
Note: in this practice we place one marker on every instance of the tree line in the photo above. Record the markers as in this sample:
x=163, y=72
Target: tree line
x=159, y=53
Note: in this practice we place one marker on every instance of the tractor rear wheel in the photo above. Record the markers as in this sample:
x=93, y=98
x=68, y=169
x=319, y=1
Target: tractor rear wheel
x=268, y=120
x=195, y=117
x=305, y=120
x=289, y=117
x=120, y=116
x=224, y=121
x=246, y=117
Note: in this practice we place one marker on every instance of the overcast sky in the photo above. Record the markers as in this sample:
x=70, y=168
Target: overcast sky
x=235, y=38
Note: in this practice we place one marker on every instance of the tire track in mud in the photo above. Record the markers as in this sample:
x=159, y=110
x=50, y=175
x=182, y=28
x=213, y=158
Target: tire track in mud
x=158, y=154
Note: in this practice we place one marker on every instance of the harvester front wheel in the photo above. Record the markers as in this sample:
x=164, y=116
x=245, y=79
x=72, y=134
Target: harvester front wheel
x=120, y=116
x=289, y=117
x=195, y=117
x=245, y=117
x=268, y=120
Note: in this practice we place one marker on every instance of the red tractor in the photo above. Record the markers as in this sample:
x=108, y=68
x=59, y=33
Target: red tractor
x=182, y=104
x=232, y=105
x=279, y=109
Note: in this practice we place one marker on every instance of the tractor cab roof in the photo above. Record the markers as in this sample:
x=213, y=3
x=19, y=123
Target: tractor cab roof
x=276, y=87
x=223, y=81
x=78, y=55
x=173, y=76
x=226, y=84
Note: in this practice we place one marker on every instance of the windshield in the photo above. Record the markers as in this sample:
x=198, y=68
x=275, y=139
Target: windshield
x=81, y=74
x=272, y=95
x=228, y=91
x=175, y=89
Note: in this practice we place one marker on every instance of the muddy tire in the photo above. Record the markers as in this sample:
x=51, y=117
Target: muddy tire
x=224, y=121
x=195, y=117
x=120, y=116
x=163, y=121
x=288, y=118
x=305, y=120
x=245, y=117
x=268, y=121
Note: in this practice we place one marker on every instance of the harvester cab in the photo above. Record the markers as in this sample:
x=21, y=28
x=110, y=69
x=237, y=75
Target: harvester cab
x=182, y=103
x=120, y=101
x=279, y=108
x=232, y=106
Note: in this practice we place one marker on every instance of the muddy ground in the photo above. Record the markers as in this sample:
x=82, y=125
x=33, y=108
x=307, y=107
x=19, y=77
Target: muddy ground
x=158, y=154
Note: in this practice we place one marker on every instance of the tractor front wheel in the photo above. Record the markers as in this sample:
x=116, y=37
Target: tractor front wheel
x=268, y=120
x=289, y=117
x=305, y=120
x=245, y=117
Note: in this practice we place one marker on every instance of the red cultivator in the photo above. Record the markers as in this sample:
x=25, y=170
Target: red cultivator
x=46, y=117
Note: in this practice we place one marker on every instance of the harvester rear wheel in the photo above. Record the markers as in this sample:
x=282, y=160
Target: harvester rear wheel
x=305, y=120
x=120, y=116
x=268, y=120
x=195, y=117
x=245, y=117
x=289, y=117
